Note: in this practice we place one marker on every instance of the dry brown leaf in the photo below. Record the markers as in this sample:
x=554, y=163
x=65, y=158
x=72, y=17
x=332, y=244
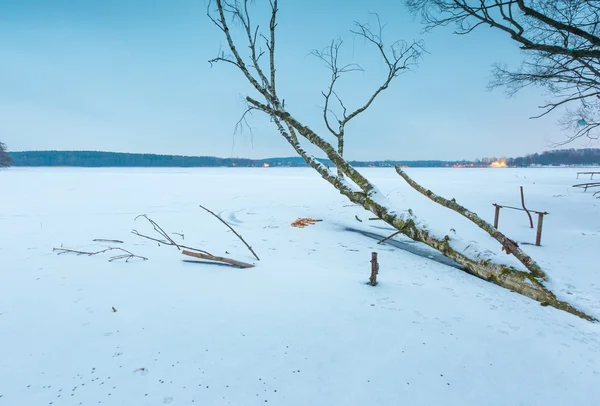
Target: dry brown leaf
x=303, y=222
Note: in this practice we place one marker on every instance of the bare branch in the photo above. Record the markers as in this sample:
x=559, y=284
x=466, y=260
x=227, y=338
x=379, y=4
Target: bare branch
x=562, y=43
x=330, y=56
x=399, y=57
x=159, y=230
x=126, y=256
x=231, y=228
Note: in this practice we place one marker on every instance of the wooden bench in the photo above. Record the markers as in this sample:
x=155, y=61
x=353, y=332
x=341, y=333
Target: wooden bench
x=586, y=186
x=588, y=173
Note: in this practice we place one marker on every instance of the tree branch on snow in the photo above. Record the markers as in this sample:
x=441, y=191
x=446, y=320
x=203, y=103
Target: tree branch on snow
x=235, y=232
x=126, y=256
x=105, y=240
x=224, y=260
x=189, y=251
x=359, y=189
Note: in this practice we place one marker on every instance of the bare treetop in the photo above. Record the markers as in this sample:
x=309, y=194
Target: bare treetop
x=562, y=43
x=398, y=57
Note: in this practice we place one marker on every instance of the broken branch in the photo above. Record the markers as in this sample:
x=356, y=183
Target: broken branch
x=235, y=232
x=190, y=251
x=217, y=259
x=388, y=237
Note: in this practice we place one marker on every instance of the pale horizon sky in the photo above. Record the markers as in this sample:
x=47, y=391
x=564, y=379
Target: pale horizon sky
x=133, y=76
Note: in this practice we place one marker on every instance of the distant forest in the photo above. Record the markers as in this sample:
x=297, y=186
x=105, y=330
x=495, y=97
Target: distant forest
x=115, y=159
x=587, y=156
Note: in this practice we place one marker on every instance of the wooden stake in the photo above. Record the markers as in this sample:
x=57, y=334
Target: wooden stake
x=496, y=216
x=538, y=236
x=374, y=269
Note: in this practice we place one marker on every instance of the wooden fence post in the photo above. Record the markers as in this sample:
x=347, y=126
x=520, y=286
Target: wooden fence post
x=496, y=216
x=538, y=236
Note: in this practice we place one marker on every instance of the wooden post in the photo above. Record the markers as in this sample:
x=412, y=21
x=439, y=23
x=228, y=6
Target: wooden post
x=496, y=216
x=538, y=236
x=374, y=269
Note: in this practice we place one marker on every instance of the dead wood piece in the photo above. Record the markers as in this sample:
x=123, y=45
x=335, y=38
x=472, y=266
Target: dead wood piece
x=126, y=256
x=235, y=232
x=209, y=257
x=114, y=309
x=105, y=240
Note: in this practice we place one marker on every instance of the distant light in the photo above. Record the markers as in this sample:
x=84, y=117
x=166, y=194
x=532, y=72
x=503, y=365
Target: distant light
x=498, y=164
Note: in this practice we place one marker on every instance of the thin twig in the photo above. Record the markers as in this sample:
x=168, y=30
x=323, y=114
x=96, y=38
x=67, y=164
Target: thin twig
x=231, y=228
x=159, y=230
x=387, y=238
x=104, y=240
x=126, y=256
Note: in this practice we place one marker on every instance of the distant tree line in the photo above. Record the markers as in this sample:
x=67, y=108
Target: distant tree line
x=116, y=159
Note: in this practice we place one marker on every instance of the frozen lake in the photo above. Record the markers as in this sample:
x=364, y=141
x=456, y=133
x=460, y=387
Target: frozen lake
x=301, y=328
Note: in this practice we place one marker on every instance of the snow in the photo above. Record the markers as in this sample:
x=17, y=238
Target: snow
x=302, y=327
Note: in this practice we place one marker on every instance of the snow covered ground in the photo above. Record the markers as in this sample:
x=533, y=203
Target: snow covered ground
x=302, y=327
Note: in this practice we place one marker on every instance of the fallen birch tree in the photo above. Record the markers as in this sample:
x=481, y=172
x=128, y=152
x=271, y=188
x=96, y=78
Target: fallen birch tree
x=398, y=57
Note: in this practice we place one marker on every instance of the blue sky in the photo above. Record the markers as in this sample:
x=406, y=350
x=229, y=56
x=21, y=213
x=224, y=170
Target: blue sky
x=133, y=76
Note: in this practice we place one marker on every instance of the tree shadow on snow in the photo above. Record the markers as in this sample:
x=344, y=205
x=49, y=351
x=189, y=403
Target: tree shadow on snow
x=413, y=247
